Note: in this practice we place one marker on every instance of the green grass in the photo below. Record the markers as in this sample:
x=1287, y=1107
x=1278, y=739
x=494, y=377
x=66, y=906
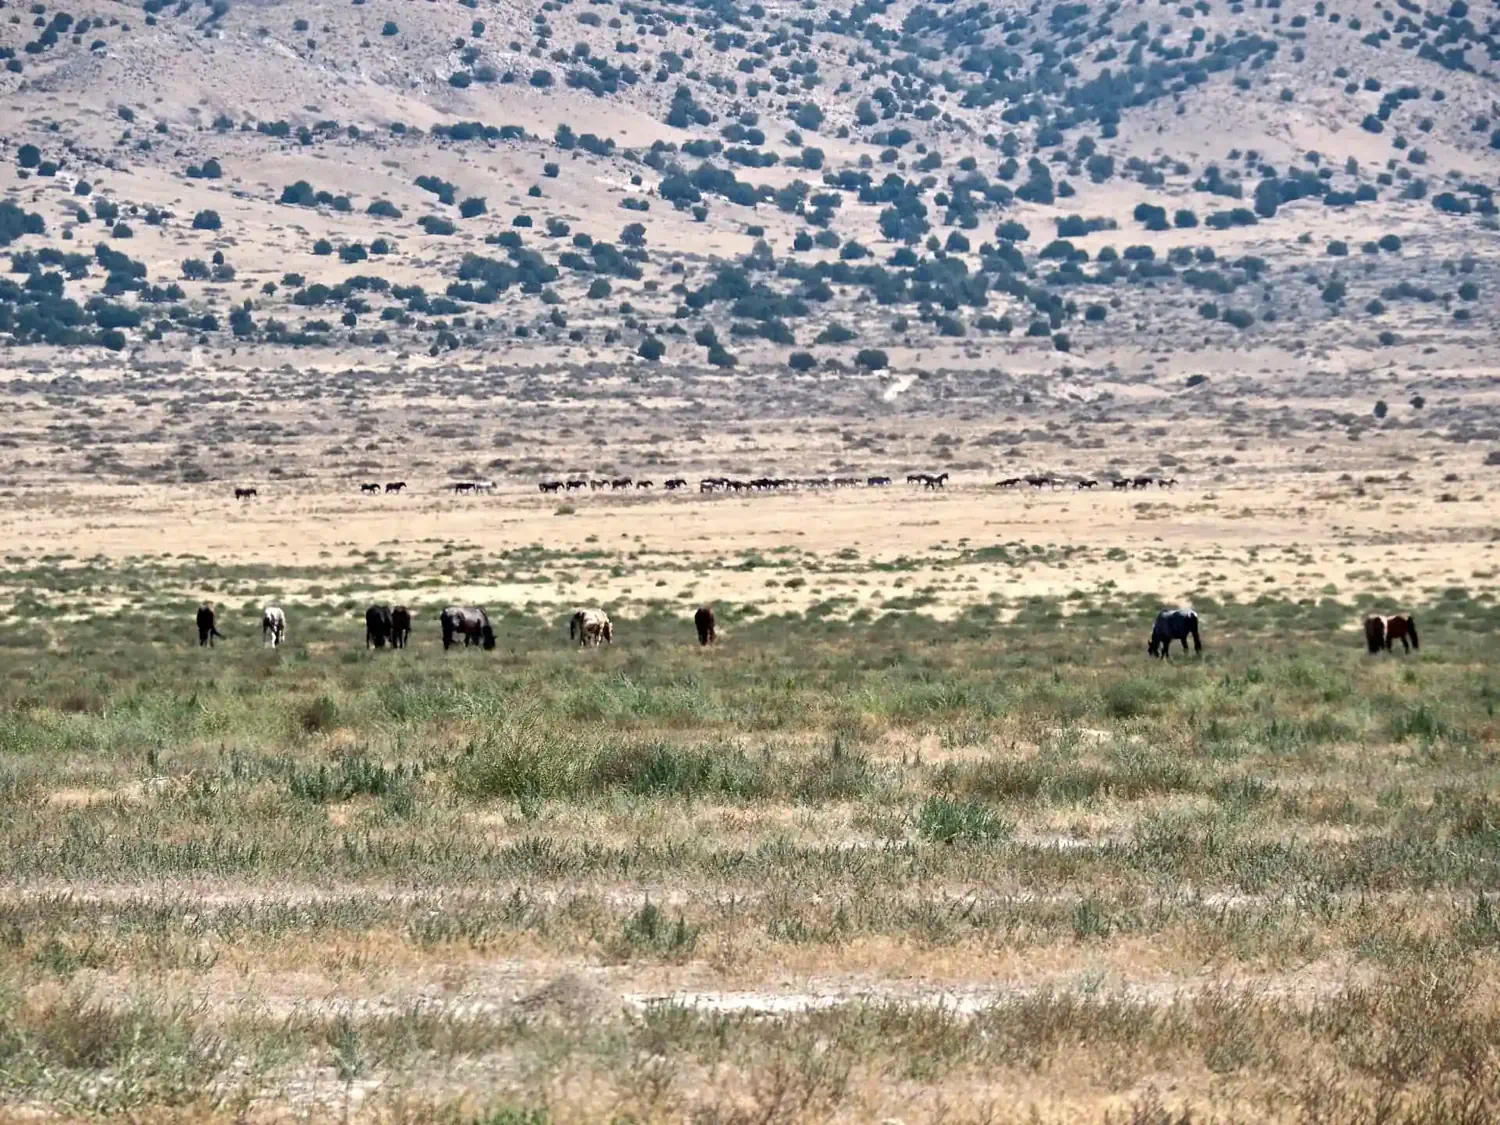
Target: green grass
x=816, y=797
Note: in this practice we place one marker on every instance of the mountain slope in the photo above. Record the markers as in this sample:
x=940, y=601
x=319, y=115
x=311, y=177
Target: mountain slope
x=716, y=184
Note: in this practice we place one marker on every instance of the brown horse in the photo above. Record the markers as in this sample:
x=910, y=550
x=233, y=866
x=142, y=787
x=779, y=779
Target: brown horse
x=207, y=625
x=1383, y=632
x=470, y=621
x=707, y=627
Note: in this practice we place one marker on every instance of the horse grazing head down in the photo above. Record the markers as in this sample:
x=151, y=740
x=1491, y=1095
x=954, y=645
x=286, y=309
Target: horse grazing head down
x=1173, y=625
x=1375, y=633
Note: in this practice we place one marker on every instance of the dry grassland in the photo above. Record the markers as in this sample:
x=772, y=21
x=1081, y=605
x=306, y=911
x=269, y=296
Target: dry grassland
x=924, y=837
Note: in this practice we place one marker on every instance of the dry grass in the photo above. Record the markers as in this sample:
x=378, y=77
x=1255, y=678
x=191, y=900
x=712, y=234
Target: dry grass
x=833, y=871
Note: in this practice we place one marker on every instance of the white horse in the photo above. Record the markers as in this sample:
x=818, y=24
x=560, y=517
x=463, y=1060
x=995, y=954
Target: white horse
x=591, y=627
x=273, y=626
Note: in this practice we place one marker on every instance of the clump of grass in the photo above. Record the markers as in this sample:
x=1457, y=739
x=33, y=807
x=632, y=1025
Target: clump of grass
x=354, y=776
x=522, y=757
x=1132, y=775
x=1419, y=721
x=661, y=769
x=945, y=821
x=839, y=775
x=319, y=715
x=649, y=930
x=1133, y=698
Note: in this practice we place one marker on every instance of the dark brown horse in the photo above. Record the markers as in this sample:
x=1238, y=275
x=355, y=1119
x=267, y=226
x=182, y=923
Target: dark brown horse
x=377, y=625
x=1383, y=632
x=471, y=621
x=400, y=626
x=207, y=630
x=706, y=625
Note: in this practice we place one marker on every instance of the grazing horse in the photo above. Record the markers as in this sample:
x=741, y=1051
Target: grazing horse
x=395, y=486
x=675, y=483
x=706, y=625
x=471, y=621
x=1383, y=632
x=245, y=493
x=591, y=627
x=1174, y=625
x=371, y=487
x=400, y=626
x=206, y=627
x=1401, y=627
x=377, y=625
x=272, y=626
x=1122, y=482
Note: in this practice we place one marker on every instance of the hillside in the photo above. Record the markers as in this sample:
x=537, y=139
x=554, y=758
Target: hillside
x=903, y=185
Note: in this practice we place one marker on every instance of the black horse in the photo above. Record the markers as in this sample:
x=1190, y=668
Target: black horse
x=706, y=625
x=207, y=630
x=400, y=626
x=377, y=625
x=1174, y=625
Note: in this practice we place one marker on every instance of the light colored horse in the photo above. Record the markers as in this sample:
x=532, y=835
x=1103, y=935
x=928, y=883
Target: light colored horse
x=273, y=626
x=591, y=627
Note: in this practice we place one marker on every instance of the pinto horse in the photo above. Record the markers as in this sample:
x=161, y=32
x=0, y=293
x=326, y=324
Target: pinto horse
x=1383, y=632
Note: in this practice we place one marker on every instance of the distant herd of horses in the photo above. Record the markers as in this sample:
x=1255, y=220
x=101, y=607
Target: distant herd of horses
x=775, y=484
x=391, y=625
x=1119, y=484
x=757, y=484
